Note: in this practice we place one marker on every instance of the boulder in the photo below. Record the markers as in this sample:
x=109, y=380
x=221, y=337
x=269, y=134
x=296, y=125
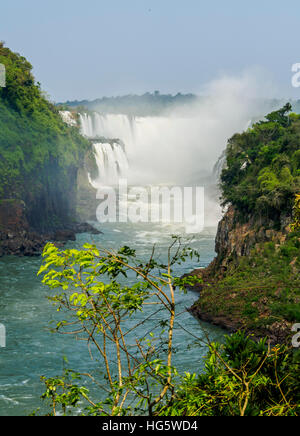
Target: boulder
x=64, y=235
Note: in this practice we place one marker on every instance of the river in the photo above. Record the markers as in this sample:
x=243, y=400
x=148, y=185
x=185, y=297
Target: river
x=33, y=351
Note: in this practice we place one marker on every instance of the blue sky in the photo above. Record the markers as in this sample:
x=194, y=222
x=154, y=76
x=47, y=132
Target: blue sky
x=93, y=48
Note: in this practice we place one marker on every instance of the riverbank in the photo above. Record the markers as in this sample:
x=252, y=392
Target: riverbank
x=256, y=289
x=32, y=350
x=19, y=239
x=253, y=284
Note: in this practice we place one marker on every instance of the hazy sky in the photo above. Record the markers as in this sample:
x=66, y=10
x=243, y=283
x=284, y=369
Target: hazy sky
x=92, y=48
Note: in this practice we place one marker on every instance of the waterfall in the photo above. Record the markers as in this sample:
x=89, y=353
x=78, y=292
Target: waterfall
x=68, y=118
x=109, y=126
x=110, y=153
x=111, y=161
x=174, y=149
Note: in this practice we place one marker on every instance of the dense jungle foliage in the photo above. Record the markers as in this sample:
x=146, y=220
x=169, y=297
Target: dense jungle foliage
x=262, y=172
x=32, y=134
x=260, y=292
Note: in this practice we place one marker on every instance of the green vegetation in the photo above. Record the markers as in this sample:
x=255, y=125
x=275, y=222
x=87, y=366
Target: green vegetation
x=296, y=223
x=262, y=173
x=39, y=159
x=155, y=104
x=135, y=105
x=39, y=154
x=240, y=378
x=97, y=306
x=260, y=292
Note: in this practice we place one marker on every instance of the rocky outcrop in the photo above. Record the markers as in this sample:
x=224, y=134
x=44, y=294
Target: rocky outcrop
x=243, y=287
x=69, y=233
x=18, y=238
x=86, y=228
x=236, y=237
x=277, y=333
x=12, y=216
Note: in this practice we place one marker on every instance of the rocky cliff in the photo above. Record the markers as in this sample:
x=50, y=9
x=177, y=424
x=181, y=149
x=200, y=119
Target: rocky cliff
x=254, y=282
x=40, y=156
x=16, y=237
x=236, y=237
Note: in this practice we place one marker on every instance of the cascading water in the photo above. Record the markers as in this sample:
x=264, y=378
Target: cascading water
x=111, y=161
x=110, y=153
x=175, y=149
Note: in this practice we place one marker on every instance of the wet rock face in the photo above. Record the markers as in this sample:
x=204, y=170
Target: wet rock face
x=235, y=239
x=15, y=235
x=69, y=234
x=86, y=228
x=64, y=235
x=51, y=204
x=240, y=303
x=12, y=216
x=22, y=246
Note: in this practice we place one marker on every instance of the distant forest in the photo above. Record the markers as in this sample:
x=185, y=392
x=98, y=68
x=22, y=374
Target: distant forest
x=138, y=105
x=154, y=104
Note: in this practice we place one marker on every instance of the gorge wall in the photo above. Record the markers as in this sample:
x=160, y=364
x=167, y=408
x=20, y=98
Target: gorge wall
x=253, y=283
x=236, y=238
x=40, y=156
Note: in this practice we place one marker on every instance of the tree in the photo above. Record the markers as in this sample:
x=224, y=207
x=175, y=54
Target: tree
x=280, y=116
x=261, y=174
x=98, y=307
x=241, y=377
x=296, y=223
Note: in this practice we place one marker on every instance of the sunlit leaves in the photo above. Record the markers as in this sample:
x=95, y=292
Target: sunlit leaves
x=96, y=298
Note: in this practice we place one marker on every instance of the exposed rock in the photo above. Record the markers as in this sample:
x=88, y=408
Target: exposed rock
x=86, y=228
x=15, y=235
x=69, y=118
x=86, y=195
x=64, y=235
x=69, y=234
x=235, y=239
x=17, y=238
x=12, y=217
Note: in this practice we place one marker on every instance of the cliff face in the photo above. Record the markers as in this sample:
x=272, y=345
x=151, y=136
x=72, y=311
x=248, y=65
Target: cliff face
x=236, y=238
x=253, y=284
x=12, y=215
x=51, y=200
x=16, y=237
x=40, y=156
x=87, y=202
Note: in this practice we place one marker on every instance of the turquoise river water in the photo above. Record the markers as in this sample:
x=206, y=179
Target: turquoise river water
x=33, y=351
